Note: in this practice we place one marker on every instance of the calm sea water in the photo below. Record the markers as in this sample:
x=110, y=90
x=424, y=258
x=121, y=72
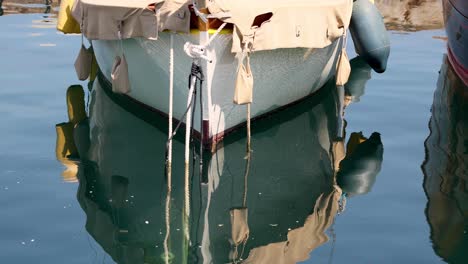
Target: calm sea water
x=115, y=210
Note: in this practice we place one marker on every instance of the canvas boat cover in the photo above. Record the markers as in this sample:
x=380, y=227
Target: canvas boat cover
x=294, y=23
x=303, y=240
x=103, y=19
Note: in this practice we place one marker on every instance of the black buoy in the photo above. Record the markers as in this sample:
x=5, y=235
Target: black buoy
x=369, y=35
x=358, y=171
x=360, y=74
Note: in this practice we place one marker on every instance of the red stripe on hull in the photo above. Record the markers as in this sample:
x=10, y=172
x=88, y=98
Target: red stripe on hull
x=461, y=71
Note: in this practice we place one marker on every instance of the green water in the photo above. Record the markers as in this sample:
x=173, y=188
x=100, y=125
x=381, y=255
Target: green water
x=409, y=207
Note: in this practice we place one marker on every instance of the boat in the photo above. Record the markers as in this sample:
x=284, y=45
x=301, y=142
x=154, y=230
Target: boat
x=445, y=167
x=290, y=196
x=456, y=22
x=250, y=57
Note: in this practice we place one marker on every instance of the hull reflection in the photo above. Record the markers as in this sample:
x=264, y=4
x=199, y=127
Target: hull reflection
x=278, y=212
x=124, y=187
x=445, y=168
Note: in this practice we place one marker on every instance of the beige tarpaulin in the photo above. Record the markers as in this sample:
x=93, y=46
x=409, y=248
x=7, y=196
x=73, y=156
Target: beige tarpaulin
x=103, y=19
x=243, y=88
x=119, y=75
x=343, y=68
x=239, y=225
x=294, y=23
x=83, y=63
x=303, y=240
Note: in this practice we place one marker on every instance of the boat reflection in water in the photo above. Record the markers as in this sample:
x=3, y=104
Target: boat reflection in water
x=445, y=168
x=10, y=7
x=411, y=15
x=279, y=213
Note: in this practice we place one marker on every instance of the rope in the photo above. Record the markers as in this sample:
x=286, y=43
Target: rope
x=199, y=51
x=236, y=257
x=249, y=157
x=341, y=94
x=171, y=98
x=168, y=143
x=186, y=158
x=169, y=152
x=333, y=234
x=200, y=169
x=215, y=34
x=196, y=74
x=198, y=13
x=81, y=26
x=119, y=34
x=345, y=40
x=342, y=203
x=340, y=123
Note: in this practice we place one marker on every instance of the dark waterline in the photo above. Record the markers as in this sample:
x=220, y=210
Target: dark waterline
x=43, y=221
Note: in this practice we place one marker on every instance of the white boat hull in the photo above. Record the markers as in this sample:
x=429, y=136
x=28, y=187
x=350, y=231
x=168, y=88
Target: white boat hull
x=281, y=77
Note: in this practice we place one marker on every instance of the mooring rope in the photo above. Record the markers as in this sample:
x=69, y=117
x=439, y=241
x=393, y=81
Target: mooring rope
x=168, y=173
x=198, y=53
x=202, y=139
x=333, y=235
x=248, y=157
x=196, y=74
x=340, y=123
x=238, y=258
x=169, y=152
x=341, y=95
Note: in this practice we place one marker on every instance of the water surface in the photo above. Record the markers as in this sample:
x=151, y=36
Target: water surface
x=111, y=207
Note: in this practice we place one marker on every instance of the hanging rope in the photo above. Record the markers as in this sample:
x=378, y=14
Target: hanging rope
x=333, y=235
x=197, y=52
x=342, y=76
x=169, y=152
x=340, y=120
x=248, y=157
x=169, y=173
x=196, y=77
x=168, y=170
x=202, y=139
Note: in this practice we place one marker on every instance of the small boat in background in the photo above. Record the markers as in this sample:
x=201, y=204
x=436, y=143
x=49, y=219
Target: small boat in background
x=456, y=25
x=10, y=7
